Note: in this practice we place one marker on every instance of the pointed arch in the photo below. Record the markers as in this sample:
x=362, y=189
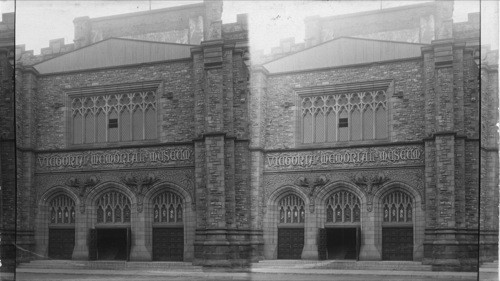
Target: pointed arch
x=183, y=214
x=417, y=212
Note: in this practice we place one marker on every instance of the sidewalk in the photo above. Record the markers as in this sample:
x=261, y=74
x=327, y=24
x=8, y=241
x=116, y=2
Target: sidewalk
x=244, y=273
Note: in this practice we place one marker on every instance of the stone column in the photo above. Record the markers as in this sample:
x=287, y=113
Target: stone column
x=25, y=157
x=138, y=251
x=81, y=250
x=370, y=221
x=310, y=251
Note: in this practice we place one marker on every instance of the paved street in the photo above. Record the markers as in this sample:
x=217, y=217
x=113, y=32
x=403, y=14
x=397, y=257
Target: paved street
x=234, y=276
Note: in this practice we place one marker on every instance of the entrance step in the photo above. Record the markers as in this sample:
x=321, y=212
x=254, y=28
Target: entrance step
x=345, y=265
x=489, y=267
x=111, y=265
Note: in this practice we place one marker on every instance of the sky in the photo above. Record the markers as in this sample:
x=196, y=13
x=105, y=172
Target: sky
x=37, y=22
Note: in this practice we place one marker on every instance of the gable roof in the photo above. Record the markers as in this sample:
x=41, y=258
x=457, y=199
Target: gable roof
x=344, y=51
x=114, y=52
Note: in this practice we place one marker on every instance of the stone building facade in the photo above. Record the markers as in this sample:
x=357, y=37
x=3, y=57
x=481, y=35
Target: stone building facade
x=150, y=139
x=7, y=148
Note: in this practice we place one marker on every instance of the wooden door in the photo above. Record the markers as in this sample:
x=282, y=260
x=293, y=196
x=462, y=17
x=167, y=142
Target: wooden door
x=92, y=244
x=322, y=244
x=290, y=243
x=397, y=243
x=61, y=243
x=168, y=244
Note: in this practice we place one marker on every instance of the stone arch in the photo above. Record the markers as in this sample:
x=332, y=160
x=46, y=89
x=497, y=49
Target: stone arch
x=88, y=217
x=320, y=202
x=104, y=187
x=271, y=217
x=323, y=193
x=418, y=215
x=43, y=218
x=189, y=217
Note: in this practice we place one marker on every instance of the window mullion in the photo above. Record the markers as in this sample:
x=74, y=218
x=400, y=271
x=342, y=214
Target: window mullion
x=325, y=124
x=313, y=121
x=143, y=122
x=362, y=121
x=373, y=122
x=337, y=125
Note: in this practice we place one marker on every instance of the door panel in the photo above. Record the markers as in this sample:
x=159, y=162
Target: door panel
x=397, y=243
x=168, y=244
x=92, y=243
x=290, y=243
x=322, y=244
x=61, y=243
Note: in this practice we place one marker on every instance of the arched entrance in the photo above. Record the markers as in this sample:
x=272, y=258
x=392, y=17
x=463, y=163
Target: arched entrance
x=291, y=227
x=397, y=226
x=168, y=227
x=110, y=240
x=61, y=227
x=341, y=237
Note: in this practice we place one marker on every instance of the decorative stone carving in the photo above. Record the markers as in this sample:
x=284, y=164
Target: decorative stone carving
x=82, y=187
x=369, y=186
x=319, y=181
x=139, y=186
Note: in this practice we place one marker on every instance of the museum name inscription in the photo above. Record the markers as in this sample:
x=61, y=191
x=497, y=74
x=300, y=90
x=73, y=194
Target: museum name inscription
x=110, y=158
x=353, y=157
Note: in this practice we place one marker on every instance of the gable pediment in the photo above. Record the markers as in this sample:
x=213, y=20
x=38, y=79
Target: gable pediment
x=344, y=51
x=114, y=52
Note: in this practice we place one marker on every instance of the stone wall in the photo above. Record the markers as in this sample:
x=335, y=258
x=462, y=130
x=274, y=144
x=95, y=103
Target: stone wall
x=407, y=121
x=175, y=103
x=183, y=24
x=413, y=23
x=8, y=149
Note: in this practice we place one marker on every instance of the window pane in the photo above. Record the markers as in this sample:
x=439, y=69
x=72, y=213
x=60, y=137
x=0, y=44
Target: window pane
x=307, y=128
x=150, y=123
x=331, y=126
x=101, y=126
x=113, y=132
x=137, y=124
x=381, y=123
x=125, y=127
x=320, y=127
x=89, y=127
x=368, y=124
x=356, y=125
x=343, y=131
x=77, y=128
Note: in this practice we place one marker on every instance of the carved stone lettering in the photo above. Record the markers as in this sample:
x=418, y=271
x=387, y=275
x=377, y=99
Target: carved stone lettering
x=116, y=158
x=343, y=158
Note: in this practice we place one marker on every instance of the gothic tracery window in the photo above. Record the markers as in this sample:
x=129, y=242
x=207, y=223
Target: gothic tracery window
x=343, y=207
x=167, y=208
x=291, y=209
x=397, y=207
x=352, y=116
x=113, y=207
x=114, y=117
x=62, y=210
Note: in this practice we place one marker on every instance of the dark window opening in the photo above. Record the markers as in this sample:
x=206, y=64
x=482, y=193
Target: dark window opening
x=113, y=123
x=343, y=123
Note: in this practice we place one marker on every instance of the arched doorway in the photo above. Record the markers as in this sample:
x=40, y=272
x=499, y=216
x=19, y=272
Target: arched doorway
x=110, y=240
x=397, y=226
x=341, y=237
x=168, y=227
x=61, y=227
x=291, y=227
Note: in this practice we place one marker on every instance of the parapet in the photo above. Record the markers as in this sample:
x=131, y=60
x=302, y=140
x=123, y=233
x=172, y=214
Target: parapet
x=236, y=30
x=56, y=48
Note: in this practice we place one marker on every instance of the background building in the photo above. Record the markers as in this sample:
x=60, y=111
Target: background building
x=155, y=137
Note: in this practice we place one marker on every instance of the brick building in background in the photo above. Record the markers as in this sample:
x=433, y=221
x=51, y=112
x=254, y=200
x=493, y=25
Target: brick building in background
x=155, y=137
